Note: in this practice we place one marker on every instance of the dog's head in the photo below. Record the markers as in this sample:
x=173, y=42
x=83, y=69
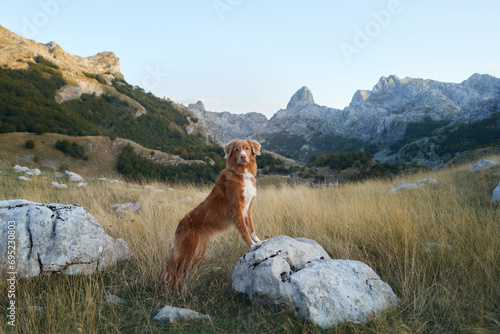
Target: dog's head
x=242, y=152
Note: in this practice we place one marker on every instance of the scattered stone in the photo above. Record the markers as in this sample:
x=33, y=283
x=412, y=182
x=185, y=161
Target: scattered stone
x=81, y=184
x=58, y=185
x=20, y=169
x=148, y=187
x=57, y=238
x=35, y=172
x=131, y=207
x=298, y=274
x=73, y=177
x=433, y=247
x=159, y=190
x=403, y=185
x=39, y=309
x=186, y=199
x=24, y=178
x=170, y=314
x=483, y=164
x=114, y=300
x=114, y=181
x=203, y=195
x=495, y=197
x=102, y=179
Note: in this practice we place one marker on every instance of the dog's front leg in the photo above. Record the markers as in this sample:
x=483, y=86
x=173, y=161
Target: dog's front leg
x=245, y=233
x=250, y=226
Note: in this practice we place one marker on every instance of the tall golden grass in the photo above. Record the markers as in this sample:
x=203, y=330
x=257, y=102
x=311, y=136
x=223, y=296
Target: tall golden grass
x=450, y=289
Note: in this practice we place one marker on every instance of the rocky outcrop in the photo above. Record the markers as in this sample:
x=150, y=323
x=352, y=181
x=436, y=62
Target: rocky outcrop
x=224, y=126
x=55, y=238
x=483, y=164
x=16, y=52
x=298, y=274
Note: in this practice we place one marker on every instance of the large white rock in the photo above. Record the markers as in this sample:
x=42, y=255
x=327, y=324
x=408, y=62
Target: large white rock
x=73, y=177
x=299, y=274
x=170, y=314
x=403, y=185
x=495, y=197
x=483, y=164
x=56, y=238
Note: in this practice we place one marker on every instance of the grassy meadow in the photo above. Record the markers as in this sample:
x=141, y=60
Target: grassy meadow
x=444, y=291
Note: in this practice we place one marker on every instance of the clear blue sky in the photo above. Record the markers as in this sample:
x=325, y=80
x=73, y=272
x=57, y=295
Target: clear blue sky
x=252, y=55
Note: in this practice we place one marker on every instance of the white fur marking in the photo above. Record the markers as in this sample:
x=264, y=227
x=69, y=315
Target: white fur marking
x=249, y=191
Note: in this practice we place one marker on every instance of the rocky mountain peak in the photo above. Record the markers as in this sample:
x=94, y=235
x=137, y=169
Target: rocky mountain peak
x=198, y=107
x=483, y=83
x=301, y=98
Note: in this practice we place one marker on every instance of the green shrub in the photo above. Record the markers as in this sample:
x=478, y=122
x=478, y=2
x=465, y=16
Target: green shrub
x=29, y=144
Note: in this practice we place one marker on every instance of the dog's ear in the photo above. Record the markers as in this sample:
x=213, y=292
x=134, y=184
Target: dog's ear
x=228, y=149
x=255, y=147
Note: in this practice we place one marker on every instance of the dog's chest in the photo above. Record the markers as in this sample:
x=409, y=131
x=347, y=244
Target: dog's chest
x=249, y=191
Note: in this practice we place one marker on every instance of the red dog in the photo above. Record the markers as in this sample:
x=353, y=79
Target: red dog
x=229, y=204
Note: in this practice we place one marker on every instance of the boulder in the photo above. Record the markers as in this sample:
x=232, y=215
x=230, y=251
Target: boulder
x=495, y=197
x=403, y=185
x=170, y=314
x=73, y=177
x=483, y=164
x=56, y=238
x=81, y=184
x=298, y=274
x=24, y=178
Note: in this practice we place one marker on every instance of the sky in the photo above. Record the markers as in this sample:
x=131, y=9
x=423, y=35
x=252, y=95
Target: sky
x=253, y=55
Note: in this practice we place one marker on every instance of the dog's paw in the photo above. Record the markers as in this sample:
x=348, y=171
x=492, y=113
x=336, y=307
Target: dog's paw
x=255, y=246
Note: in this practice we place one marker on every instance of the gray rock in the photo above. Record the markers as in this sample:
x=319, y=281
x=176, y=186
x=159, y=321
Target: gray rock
x=495, y=197
x=403, y=185
x=35, y=171
x=81, y=184
x=73, y=177
x=20, y=169
x=433, y=247
x=57, y=238
x=59, y=185
x=299, y=274
x=483, y=164
x=114, y=300
x=24, y=178
x=170, y=314
x=131, y=207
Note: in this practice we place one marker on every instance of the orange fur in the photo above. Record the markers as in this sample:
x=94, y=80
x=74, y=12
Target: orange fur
x=224, y=207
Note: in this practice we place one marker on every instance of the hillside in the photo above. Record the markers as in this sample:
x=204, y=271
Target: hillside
x=102, y=152
x=43, y=89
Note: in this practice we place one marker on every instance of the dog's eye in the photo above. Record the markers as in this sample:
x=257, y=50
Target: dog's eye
x=247, y=148
x=237, y=149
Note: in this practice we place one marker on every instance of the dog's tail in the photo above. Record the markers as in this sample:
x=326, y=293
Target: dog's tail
x=183, y=253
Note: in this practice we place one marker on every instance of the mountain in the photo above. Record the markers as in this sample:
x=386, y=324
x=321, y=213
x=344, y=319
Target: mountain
x=224, y=126
x=44, y=89
x=385, y=120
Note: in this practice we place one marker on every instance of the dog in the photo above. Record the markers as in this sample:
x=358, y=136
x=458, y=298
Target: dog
x=229, y=204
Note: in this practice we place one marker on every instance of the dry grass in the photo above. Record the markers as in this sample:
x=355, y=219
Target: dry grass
x=446, y=290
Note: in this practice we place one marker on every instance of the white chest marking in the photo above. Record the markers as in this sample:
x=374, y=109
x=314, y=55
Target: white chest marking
x=249, y=191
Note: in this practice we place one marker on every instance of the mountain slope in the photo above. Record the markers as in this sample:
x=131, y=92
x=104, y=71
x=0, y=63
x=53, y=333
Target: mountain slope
x=44, y=89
